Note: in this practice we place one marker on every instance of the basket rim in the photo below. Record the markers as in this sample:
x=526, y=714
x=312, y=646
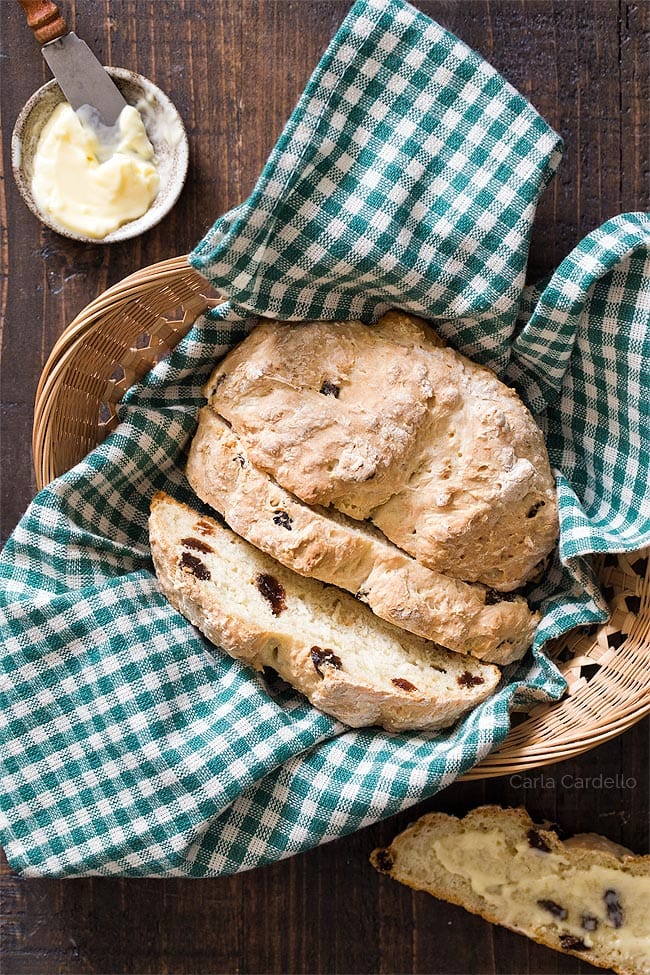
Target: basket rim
x=523, y=748
x=74, y=338
x=120, y=291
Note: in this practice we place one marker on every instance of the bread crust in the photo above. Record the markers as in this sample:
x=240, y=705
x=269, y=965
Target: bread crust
x=357, y=692
x=383, y=423
x=326, y=545
x=583, y=850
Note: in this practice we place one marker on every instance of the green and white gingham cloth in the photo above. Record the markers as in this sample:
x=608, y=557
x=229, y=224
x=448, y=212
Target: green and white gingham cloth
x=407, y=176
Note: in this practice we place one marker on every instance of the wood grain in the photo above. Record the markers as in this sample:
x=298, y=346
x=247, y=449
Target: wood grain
x=235, y=69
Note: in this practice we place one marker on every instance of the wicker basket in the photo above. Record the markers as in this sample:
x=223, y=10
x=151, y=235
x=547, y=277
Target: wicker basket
x=120, y=335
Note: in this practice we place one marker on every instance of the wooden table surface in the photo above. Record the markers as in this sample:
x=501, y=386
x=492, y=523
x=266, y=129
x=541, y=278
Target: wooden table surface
x=235, y=69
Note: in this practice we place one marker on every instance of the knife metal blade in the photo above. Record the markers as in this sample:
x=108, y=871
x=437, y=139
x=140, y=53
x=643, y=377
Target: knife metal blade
x=82, y=78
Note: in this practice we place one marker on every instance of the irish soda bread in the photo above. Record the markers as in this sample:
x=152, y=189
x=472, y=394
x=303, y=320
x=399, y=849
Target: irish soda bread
x=384, y=423
x=585, y=895
x=329, y=546
x=321, y=640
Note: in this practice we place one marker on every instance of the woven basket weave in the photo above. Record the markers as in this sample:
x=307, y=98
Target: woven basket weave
x=116, y=339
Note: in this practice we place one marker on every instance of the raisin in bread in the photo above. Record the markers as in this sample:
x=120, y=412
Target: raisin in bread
x=384, y=423
x=333, y=548
x=327, y=645
x=585, y=895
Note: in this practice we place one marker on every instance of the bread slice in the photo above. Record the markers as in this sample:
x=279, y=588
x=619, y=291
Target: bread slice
x=585, y=896
x=383, y=423
x=321, y=640
x=329, y=546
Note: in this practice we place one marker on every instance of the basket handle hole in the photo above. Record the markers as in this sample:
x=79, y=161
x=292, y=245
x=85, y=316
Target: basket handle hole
x=106, y=415
x=142, y=341
x=117, y=374
x=589, y=671
x=176, y=315
x=614, y=640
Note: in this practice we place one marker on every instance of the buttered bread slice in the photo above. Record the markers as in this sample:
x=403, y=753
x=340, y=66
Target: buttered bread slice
x=321, y=640
x=381, y=422
x=327, y=545
x=585, y=895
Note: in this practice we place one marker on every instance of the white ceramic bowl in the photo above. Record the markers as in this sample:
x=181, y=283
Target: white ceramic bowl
x=163, y=125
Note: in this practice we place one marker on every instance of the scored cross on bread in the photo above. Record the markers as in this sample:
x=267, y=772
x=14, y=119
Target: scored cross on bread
x=381, y=422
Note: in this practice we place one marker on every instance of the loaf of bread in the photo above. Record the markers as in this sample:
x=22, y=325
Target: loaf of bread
x=321, y=640
x=383, y=422
x=585, y=895
x=327, y=545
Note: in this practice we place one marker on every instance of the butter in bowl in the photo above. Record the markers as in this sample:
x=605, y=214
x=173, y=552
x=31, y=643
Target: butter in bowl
x=100, y=186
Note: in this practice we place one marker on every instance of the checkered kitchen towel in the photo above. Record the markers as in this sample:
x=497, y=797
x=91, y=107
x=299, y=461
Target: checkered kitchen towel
x=407, y=176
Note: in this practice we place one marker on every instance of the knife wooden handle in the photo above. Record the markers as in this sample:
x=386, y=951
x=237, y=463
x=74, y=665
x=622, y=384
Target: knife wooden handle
x=44, y=18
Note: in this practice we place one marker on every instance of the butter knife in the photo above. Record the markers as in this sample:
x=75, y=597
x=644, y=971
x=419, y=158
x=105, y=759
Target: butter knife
x=80, y=75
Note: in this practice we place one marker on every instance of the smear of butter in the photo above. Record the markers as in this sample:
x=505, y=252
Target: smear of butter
x=80, y=187
x=164, y=125
x=518, y=886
